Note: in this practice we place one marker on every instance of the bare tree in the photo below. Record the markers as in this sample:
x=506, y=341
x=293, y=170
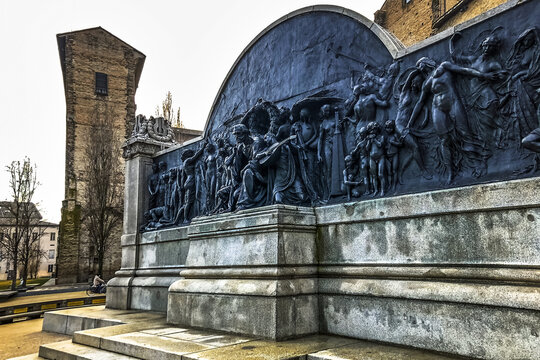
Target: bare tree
x=30, y=244
x=102, y=209
x=21, y=216
x=167, y=112
x=36, y=255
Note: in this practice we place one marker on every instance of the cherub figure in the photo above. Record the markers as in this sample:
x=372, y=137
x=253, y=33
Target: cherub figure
x=377, y=160
x=361, y=152
x=393, y=143
x=351, y=182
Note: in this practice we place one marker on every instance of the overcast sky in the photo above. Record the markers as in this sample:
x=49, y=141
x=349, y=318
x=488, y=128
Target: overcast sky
x=189, y=47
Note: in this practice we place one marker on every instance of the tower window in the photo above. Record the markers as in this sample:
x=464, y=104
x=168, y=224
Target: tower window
x=102, y=84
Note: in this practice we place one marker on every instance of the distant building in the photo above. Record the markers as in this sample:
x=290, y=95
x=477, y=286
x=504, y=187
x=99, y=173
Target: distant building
x=43, y=265
x=182, y=135
x=99, y=71
x=414, y=20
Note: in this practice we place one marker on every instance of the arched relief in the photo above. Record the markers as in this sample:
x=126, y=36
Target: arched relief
x=317, y=110
x=290, y=59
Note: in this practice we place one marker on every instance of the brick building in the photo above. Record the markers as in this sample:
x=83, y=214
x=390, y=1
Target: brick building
x=101, y=74
x=414, y=20
x=40, y=265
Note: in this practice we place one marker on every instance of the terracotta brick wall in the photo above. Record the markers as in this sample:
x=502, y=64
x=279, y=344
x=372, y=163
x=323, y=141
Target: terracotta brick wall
x=412, y=21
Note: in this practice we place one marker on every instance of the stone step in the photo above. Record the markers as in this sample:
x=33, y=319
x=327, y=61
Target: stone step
x=169, y=342
x=67, y=350
x=148, y=345
x=363, y=350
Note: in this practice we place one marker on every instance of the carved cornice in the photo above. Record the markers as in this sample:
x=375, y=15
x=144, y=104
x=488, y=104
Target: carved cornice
x=139, y=146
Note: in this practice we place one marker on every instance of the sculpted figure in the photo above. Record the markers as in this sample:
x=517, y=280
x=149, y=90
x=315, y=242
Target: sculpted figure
x=189, y=162
x=162, y=184
x=223, y=150
x=253, y=191
x=445, y=111
x=377, y=162
x=158, y=187
x=174, y=196
x=306, y=143
x=351, y=180
x=288, y=184
x=484, y=71
x=361, y=152
x=211, y=175
x=324, y=148
x=365, y=108
x=153, y=185
x=242, y=154
x=532, y=141
x=449, y=120
x=160, y=214
x=282, y=119
x=409, y=95
x=387, y=81
x=524, y=66
x=393, y=143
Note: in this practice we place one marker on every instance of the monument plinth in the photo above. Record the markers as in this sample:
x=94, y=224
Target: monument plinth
x=378, y=192
x=253, y=272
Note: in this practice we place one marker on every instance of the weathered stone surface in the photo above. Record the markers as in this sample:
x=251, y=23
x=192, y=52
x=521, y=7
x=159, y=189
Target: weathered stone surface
x=66, y=350
x=363, y=350
x=264, y=247
x=478, y=331
x=148, y=292
x=145, y=346
x=146, y=335
x=292, y=349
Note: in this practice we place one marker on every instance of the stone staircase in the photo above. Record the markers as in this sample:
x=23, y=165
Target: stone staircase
x=127, y=335
x=167, y=343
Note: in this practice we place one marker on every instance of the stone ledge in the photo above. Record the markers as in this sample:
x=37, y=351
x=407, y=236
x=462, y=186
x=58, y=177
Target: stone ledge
x=515, y=194
x=507, y=296
x=259, y=287
x=251, y=272
x=164, y=235
x=514, y=275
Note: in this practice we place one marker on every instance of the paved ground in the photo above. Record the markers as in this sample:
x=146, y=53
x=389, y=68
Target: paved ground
x=42, y=298
x=25, y=337
x=42, y=290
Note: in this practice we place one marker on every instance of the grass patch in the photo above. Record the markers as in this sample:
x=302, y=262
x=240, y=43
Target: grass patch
x=6, y=284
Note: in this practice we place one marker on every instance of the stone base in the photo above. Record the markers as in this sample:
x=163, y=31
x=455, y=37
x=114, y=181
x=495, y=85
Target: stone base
x=139, y=292
x=261, y=311
x=250, y=273
x=453, y=271
x=471, y=330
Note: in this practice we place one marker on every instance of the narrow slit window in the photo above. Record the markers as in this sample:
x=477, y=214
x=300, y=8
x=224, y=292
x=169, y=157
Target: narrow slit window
x=102, y=84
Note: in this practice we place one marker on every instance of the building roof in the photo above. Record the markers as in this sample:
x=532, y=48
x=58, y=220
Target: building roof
x=8, y=207
x=60, y=39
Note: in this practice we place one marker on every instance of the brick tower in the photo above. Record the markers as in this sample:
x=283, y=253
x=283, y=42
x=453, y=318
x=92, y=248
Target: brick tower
x=99, y=71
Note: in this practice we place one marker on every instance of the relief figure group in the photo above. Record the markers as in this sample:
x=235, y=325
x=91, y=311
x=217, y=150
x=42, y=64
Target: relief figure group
x=437, y=122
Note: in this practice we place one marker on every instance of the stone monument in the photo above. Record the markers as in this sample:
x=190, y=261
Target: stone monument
x=347, y=185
